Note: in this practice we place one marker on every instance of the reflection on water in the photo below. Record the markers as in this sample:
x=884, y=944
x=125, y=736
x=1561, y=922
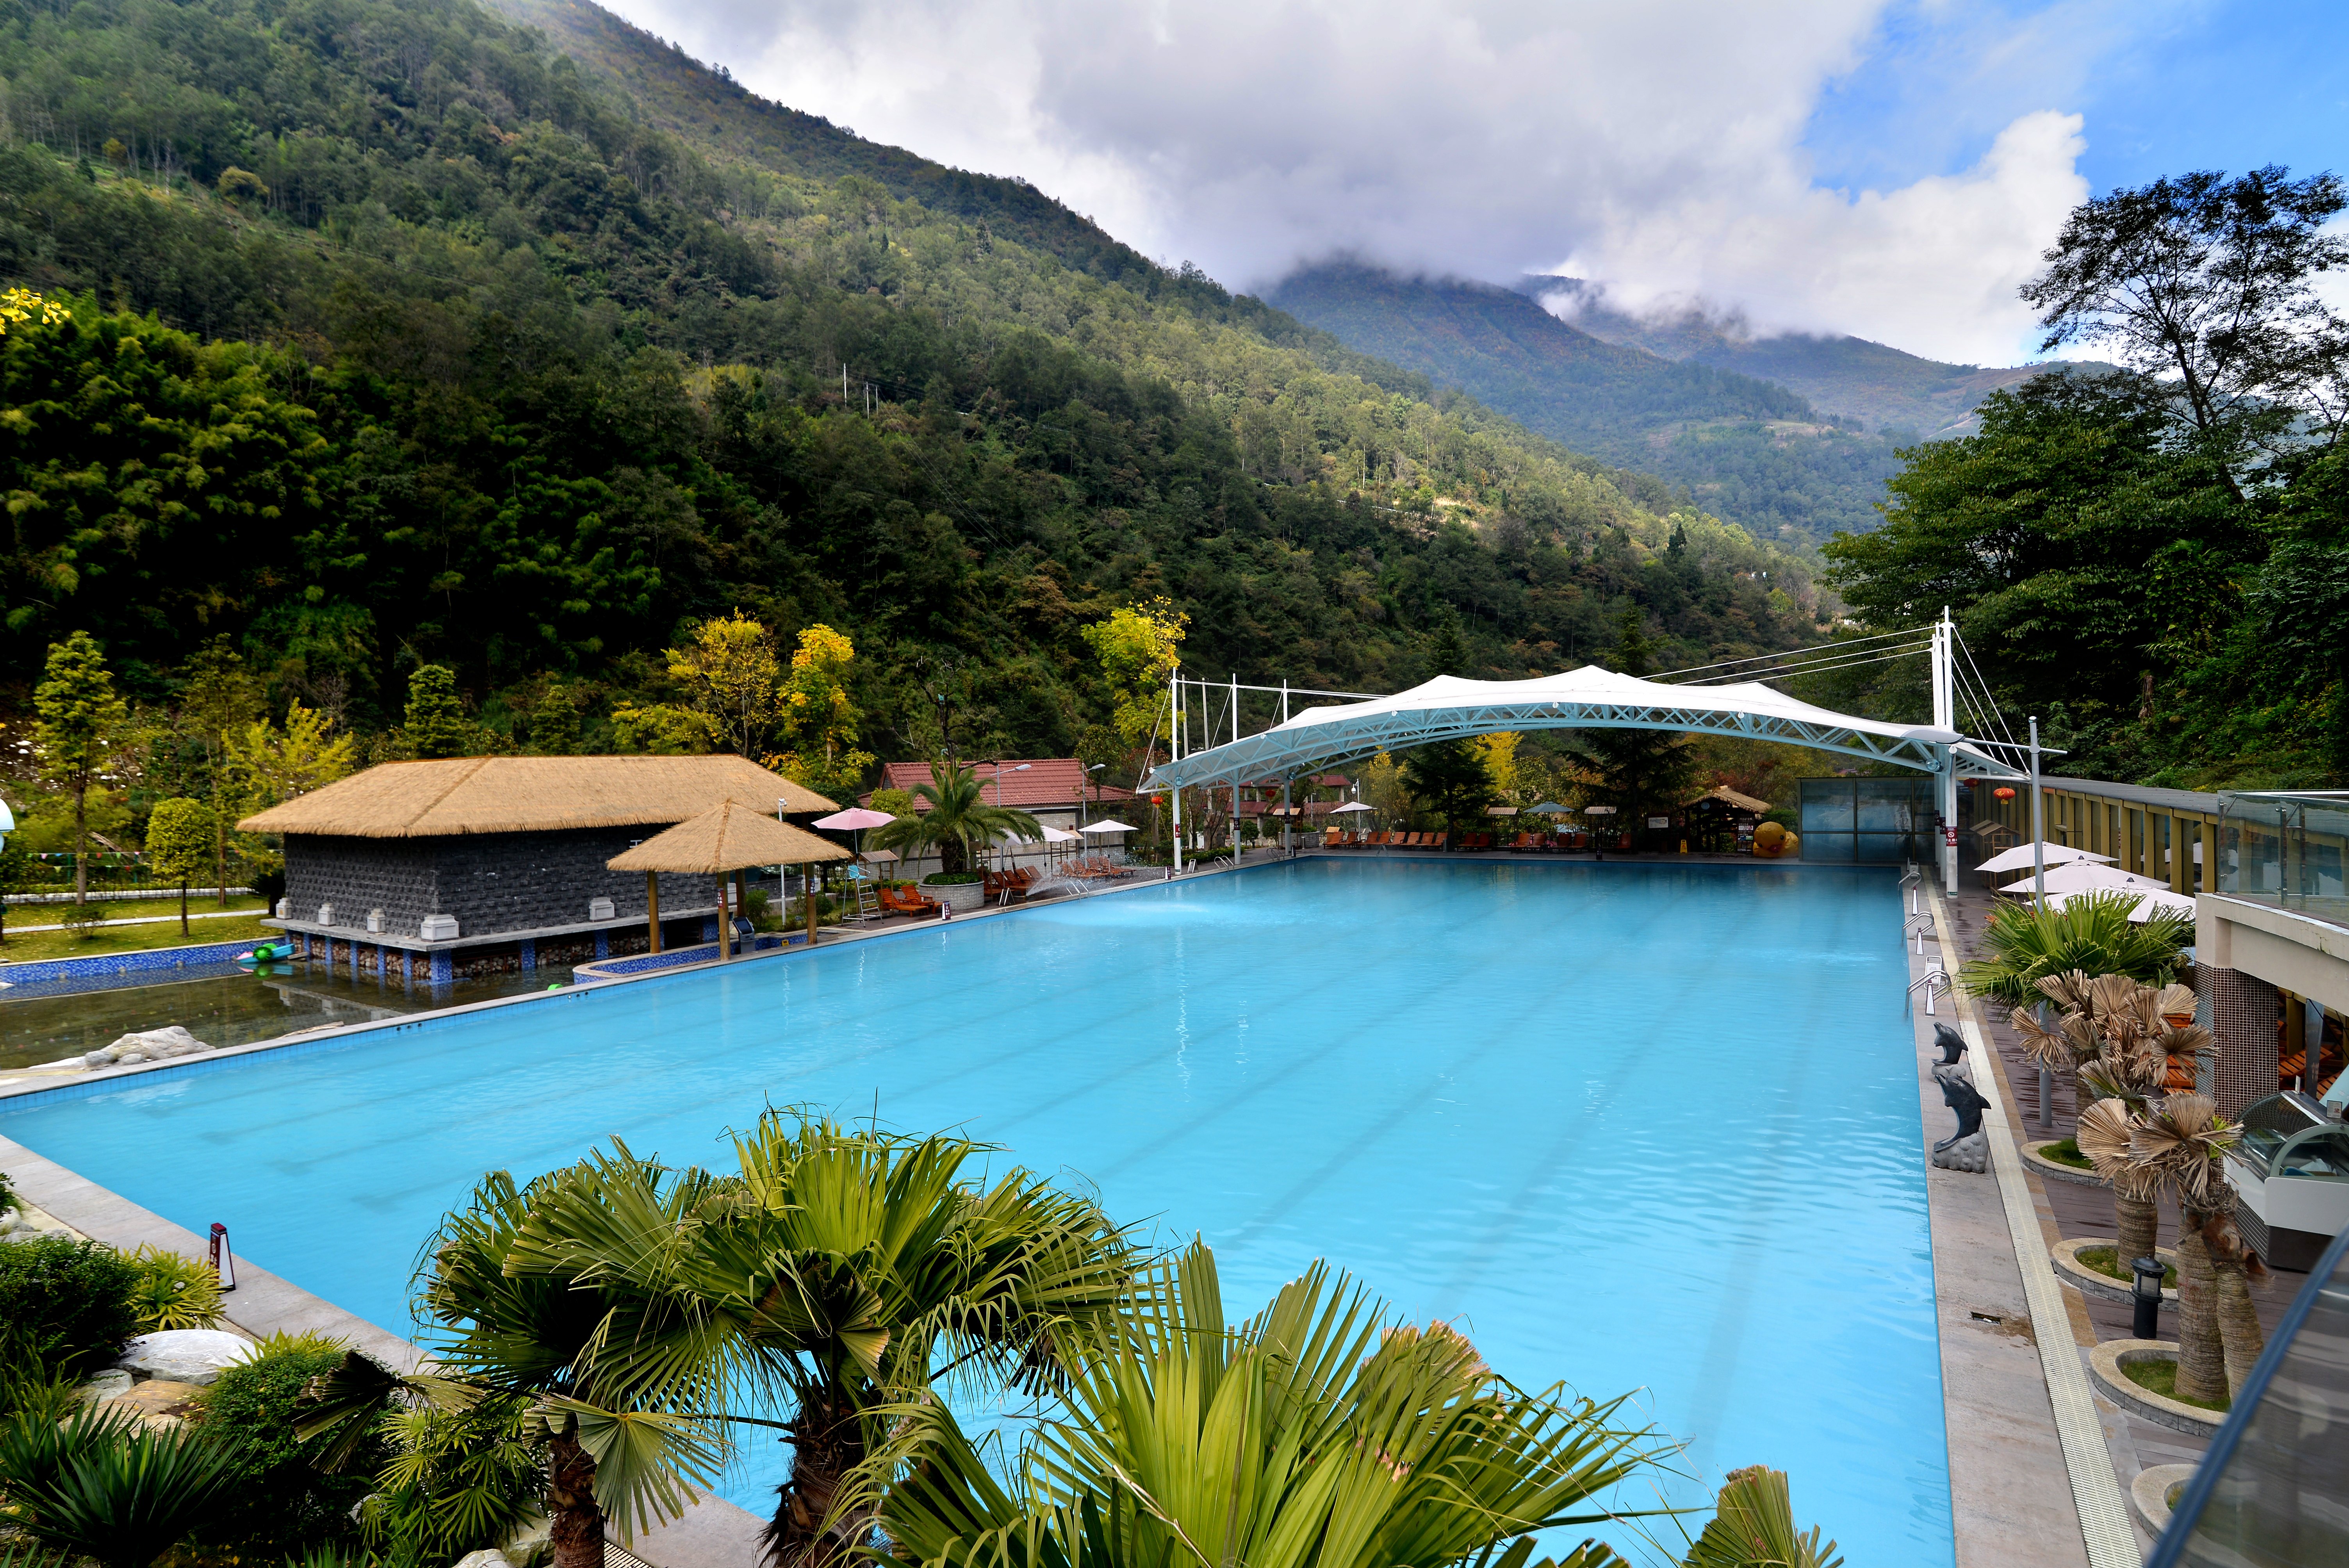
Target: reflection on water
x=223, y=1005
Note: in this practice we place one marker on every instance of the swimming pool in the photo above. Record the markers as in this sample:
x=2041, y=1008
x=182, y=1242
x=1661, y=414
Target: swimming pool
x=1579, y=1109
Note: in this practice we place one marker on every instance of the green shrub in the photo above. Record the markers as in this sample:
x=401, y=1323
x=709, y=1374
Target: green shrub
x=65, y=1307
x=281, y=1500
x=8, y=1198
x=457, y=1482
x=953, y=879
x=174, y=1292
x=96, y=1486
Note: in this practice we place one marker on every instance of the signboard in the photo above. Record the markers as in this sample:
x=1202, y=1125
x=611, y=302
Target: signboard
x=1950, y=837
x=1659, y=821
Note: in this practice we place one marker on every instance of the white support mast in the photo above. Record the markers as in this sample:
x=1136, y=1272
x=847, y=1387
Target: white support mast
x=1945, y=718
x=1174, y=733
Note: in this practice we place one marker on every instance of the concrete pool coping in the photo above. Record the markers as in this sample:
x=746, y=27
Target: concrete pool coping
x=2032, y=1477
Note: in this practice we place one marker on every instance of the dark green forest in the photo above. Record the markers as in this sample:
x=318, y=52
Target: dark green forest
x=399, y=339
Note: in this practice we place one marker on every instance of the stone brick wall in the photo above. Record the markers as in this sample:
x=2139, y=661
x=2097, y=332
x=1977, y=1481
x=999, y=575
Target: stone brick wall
x=491, y=883
x=2244, y=1012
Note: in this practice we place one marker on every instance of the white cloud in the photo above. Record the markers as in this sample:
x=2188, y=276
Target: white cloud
x=1658, y=147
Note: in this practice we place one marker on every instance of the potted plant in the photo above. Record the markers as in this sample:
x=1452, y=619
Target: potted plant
x=953, y=816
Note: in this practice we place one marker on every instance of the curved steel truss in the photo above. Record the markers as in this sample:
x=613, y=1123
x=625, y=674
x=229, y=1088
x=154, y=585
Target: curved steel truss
x=1448, y=709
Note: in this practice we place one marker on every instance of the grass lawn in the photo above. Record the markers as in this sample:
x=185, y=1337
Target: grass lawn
x=125, y=938
x=2064, y=1151
x=2161, y=1378
x=2106, y=1261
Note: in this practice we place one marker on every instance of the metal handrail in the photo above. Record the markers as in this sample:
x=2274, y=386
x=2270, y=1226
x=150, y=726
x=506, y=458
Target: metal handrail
x=1928, y=980
x=1915, y=928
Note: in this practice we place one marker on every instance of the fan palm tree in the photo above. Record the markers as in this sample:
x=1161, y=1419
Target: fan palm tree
x=960, y=821
x=2114, y=1037
x=2090, y=934
x=2178, y=1142
x=622, y=1379
x=844, y=1270
x=1321, y=1432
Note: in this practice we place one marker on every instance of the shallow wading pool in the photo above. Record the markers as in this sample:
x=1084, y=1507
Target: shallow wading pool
x=1628, y=1126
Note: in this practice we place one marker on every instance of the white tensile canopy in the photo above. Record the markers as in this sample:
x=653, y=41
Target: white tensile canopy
x=1353, y=806
x=1107, y=826
x=1451, y=707
x=2019, y=858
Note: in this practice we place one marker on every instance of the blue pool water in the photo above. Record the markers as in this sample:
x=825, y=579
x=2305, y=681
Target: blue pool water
x=1580, y=1110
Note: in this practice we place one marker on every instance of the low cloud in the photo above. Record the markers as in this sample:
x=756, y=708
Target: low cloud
x=1658, y=148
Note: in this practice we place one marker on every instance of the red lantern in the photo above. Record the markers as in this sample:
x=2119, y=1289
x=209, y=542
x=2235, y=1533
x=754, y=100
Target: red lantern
x=2002, y=793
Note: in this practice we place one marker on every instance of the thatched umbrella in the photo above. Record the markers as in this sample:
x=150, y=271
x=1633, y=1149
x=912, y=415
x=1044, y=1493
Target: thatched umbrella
x=726, y=838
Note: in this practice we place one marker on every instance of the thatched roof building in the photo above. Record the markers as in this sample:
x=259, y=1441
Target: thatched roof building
x=491, y=857
x=467, y=795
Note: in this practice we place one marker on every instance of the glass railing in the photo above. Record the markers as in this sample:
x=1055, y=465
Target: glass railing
x=2269, y=1492
x=2287, y=849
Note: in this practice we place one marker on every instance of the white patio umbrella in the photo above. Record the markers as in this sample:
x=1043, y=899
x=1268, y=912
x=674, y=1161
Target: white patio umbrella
x=1353, y=806
x=2082, y=877
x=2151, y=903
x=1551, y=808
x=2019, y=858
x=1110, y=826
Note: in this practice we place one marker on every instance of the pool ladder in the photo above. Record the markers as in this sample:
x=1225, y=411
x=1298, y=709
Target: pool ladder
x=1932, y=979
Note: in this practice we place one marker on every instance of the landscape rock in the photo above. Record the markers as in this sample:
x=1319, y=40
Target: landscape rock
x=483, y=1560
x=160, y=1403
x=1970, y=1153
x=146, y=1046
x=527, y=1546
x=110, y=1384
x=196, y=1355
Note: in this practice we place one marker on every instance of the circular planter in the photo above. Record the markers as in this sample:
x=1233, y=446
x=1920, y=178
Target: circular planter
x=2065, y=1256
x=959, y=897
x=2150, y=1493
x=2106, y=1364
x=2056, y=1170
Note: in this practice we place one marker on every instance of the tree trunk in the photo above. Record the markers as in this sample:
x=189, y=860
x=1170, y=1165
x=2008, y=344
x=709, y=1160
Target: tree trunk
x=2240, y=1338
x=2201, y=1364
x=183, y=909
x=574, y=1522
x=2139, y=1219
x=81, y=846
x=827, y=1442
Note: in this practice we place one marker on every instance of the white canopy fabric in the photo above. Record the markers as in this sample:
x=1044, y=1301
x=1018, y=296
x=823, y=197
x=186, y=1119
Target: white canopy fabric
x=1451, y=707
x=1106, y=827
x=2082, y=877
x=1048, y=834
x=1352, y=805
x=2151, y=903
x=1551, y=808
x=2018, y=859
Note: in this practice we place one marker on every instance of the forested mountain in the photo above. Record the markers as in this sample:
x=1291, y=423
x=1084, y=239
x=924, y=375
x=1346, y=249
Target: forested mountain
x=1757, y=453
x=399, y=337
x=1880, y=385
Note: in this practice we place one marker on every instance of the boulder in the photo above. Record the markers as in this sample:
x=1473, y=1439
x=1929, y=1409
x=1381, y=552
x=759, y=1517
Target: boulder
x=110, y=1384
x=489, y=1559
x=195, y=1356
x=146, y=1046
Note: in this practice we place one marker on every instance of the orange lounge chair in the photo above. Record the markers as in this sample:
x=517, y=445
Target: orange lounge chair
x=906, y=901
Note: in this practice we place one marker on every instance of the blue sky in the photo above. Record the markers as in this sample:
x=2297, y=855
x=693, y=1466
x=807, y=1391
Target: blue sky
x=2162, y=87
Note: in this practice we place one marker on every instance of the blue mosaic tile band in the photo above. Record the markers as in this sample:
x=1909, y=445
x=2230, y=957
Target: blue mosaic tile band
x=108, y=965
x=648, y=963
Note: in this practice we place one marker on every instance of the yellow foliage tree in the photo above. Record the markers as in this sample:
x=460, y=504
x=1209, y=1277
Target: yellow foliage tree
x=820, y=718
x=272, y=765
x=1139, y=647
x=18, y=307
x=730, y=671
x=1500, y=754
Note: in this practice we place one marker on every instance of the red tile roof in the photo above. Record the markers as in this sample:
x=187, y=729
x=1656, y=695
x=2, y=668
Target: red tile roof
x=1049, y=781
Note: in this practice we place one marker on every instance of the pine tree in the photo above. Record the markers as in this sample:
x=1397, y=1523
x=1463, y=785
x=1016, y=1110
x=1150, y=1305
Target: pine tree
x=555, y=723
x=219, y=698
x=79, y=717
x=436, y=722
